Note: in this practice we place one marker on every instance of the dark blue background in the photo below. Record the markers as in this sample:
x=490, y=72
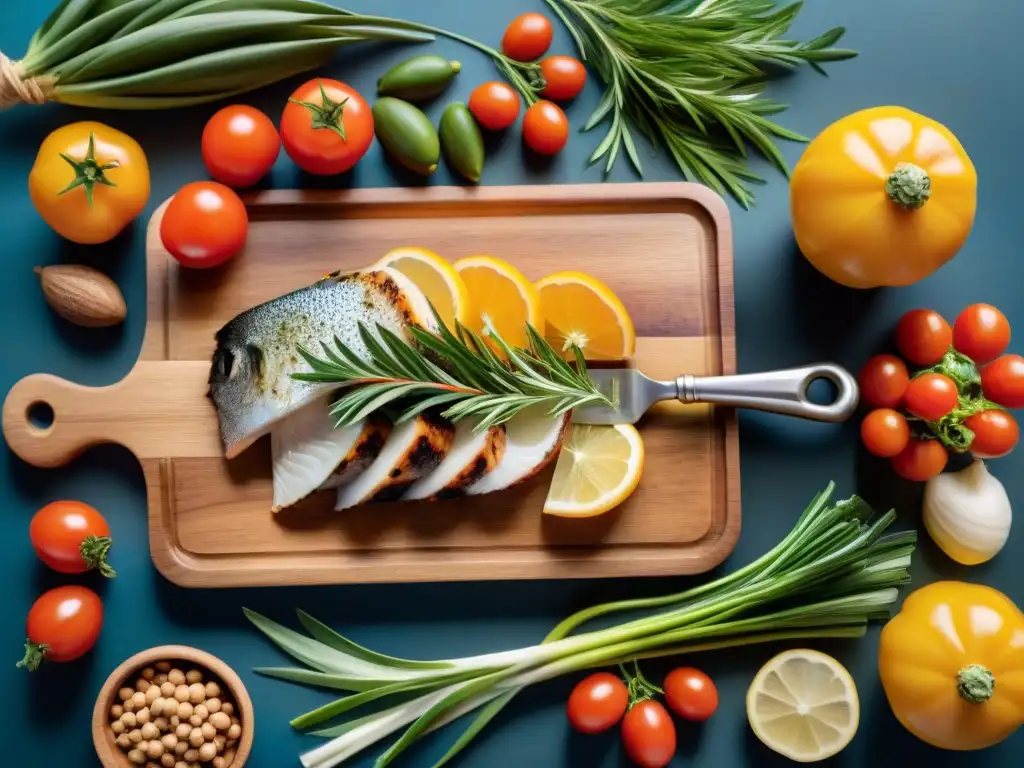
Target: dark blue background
x=958, y=62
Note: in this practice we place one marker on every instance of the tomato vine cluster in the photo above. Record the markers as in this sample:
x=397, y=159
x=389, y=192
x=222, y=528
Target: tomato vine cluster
x=957, y=399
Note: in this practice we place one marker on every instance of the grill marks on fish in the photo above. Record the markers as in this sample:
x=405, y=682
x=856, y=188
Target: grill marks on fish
x=413, y=449
x=250, y=379
x=363, y=452
x=473, y=454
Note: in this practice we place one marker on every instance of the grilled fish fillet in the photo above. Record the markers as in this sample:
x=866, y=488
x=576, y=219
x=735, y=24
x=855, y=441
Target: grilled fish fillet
x=472, y=455
x=250, y=376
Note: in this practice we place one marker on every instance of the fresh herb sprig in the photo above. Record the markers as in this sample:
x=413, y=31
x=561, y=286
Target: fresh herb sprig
x=689, y=74
x=467, y=379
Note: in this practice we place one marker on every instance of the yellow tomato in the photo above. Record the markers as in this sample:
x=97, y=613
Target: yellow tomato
x=882, y=197
x=952, y=665
x=89, y=181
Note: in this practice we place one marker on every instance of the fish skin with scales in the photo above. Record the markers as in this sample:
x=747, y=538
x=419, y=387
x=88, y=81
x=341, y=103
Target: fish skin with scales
x=250, y=379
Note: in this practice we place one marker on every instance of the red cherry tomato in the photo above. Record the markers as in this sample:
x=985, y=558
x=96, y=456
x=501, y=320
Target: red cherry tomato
x=494, y=105
x=923, y=336
x=885, y=432
x=315, y=118
x=921, y=460
x=931, y=396
x=527, y=37
x=240, y=144
x=71, y=537
x=1002, y=381
x=597, y=703
x=883, y=381
x=690, y=694
x=545, y=128
x=63, y=624
x=981, y=332
x=204, y=225
x=565, y=77
x=995, y=433
x=649, y=735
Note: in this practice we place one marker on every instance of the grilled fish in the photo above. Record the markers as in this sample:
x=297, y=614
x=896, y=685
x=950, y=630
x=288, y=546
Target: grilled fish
x=250, y=376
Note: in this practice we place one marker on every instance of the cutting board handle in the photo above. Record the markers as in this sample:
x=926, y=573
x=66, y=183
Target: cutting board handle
x=152, y=412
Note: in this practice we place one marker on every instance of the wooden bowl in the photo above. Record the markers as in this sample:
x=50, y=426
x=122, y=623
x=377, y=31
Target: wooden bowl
x=110, y=754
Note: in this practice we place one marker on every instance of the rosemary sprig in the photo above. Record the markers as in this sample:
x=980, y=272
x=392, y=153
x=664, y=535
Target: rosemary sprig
x=689, y=74
x=458, y=371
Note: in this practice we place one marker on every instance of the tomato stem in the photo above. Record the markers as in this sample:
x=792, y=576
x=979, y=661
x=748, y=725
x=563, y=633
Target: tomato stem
x=35, y=654
x=94, y=551
x=327, y=114
x=975, y=683
x=909, y=186
x=88, y=172
x=640, y=688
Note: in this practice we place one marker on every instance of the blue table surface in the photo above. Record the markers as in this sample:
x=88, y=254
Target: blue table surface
x=958, y=62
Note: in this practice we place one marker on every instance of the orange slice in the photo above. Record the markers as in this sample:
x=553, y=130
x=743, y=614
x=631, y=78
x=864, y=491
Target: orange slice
x=580, y=310
x=500, y=297
x=435, y=277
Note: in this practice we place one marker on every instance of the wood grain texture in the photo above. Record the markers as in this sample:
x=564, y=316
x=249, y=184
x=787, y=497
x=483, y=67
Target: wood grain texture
x=664, y=248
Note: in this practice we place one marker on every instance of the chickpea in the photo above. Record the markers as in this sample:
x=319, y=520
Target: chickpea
x=202, y=711
x=116, y=711
x=208, y=731
x=220, y=721
x=124, y=742
x=212, y=690
x=142, y=716
x=167, y=761
x=182, y=731
x=142, y=685
x=171, y=707
x=129, y=706
x=169, y=740
x=167, y=689
x=142, y=746
x=173, y=722
x=185, y=710
x=195, y=721
x=129, y=720
x=183, y=746
x=139, y=699
x=152, y=694
x=227, y=708
x=219, y=762
x=213, y=704
x=117, y=727
x=162, y=666
x=207, y=752
x=196, y=693
x=191, y=756
x=137, y=757
x=148, y=673
x=156, y=709
x=193, y=676
x=221, y=741
x=176, y=676
x=159, y=678
x=196, y=739
x=181, y=693
x=150, y=732
x=125, y=694
x=135, y=736
x=181, y=764
x=235, y=731
x=156, y=750
x=162, y=724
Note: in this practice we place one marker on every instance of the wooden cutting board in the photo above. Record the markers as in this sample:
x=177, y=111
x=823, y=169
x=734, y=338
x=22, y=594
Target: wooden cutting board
x=666, y=249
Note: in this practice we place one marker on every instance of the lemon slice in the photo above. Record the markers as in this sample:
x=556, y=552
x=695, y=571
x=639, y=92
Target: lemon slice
x=580, y=310
x=500, y=297
x=803, y=704
x=597, y=469
x=435, y=277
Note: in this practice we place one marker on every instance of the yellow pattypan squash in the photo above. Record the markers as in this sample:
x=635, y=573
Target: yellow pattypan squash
x=952, y=665
x=884, y=196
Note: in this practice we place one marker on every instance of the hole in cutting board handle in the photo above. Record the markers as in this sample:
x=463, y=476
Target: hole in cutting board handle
x=40, y=416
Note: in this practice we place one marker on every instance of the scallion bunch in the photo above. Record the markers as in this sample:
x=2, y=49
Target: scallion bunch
x=829, y=577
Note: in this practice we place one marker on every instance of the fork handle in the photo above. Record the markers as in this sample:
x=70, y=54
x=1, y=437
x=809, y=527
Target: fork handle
x=782, y=391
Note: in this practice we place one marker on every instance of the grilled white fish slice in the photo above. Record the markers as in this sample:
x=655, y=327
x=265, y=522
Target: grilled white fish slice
x=472, y=455
x=413, y=449
x=308, y=450
x=533, y=439
x=250, y=376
